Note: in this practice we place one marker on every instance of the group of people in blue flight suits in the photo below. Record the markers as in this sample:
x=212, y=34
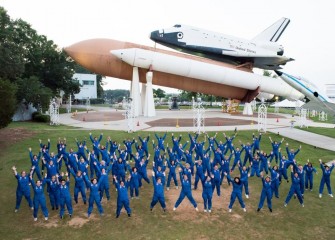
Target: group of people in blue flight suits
x=91, y=169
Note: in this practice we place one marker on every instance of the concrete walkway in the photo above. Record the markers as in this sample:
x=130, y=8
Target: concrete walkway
x=275, y=125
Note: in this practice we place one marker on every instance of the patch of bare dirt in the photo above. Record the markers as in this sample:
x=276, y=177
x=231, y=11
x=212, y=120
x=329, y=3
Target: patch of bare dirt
x=9, y=136
x=78, y=222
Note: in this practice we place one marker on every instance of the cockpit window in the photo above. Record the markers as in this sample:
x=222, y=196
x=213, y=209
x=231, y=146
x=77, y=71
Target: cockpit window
x=177, y=26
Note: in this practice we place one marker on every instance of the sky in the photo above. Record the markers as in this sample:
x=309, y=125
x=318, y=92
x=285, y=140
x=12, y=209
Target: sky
x=309, y=38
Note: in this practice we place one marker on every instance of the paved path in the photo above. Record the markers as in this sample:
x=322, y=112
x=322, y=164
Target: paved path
x=275, y=125
x=313, y=139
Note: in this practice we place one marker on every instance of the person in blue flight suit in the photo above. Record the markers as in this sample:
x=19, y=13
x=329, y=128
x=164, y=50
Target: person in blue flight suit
x=122, y=196
x=94, y=186
x=295, y=188
x=104, y=183
x=291, y=153
x=186, y=191
x=172, y=174
x=144, y=142
x=81, y=149
x=158, y=192
x=134, y=183
x=35, y=161
x=229, y=141
x=256, y=142
x=236, y=193
x=54, y=192
x=266, y=193
x=215, y=174
x=244, y=176
x=160, y=141
x=207, y=192
x=65, y=196
x=22, y=189
x=39, y=197
x=275, y=148
x=129, y=148
x=96, y=142
x=326, y=171
x=79, y=185
x=309, y=170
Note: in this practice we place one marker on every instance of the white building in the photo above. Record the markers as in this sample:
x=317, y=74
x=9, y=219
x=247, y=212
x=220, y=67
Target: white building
x=88, y=85
x=330, y=90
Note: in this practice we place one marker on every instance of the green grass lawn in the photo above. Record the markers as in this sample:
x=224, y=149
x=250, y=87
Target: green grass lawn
x=329, y=132
x=315, y=220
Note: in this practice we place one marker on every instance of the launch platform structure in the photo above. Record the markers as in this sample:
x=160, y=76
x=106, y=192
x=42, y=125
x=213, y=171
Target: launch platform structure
x=54, y=112
x=262, y=117
x=88, y=103
x=303, y=118
x=198, y=115
x=129, y=114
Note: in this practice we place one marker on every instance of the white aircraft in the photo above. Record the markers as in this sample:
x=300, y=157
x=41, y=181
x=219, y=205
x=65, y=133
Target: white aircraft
x=306, y=87
x=263, y=51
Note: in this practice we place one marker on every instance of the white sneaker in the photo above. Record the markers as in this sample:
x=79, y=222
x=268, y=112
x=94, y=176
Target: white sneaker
x=174, y=209
x=331, y=195
x=132, y=197
x=197, y=209
x=205, y=210
x=32, y=208
x=320, y=195
x=35, y=219
x=209, y=211
x=285, y=205
x=46, y=218
x=229, y=210
x=177, y=187
x=247, y=196
x=167, y=188
x=244, y=209
x=16, y=210
x=302, y=205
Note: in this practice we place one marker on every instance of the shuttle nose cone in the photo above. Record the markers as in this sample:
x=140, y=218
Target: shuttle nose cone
x=154, y=36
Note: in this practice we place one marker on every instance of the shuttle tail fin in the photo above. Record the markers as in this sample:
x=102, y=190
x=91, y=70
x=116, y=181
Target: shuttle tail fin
x=273, y=33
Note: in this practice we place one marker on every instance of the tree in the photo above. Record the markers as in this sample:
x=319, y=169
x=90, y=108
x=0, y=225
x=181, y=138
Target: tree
x=159, y=93
x=8, y=102
x=116, y=95
x=34, y=63
x=32, y=91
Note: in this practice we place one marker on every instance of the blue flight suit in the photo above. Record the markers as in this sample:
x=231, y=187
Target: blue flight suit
x=309, y=170
x=129, y=148
x=185, y=192
x=54, y=194
x=134, y=184
x=160, y=141
x=144, y=144
x=35, y=163
x=96, y=144
x=79, y=186
x=326, y=178
x=295, y=189
x=236, y=193
x=199, y=174
x=275, y=182
x=266, y=193
x=158, y=194
x=244, y=176
x=216, y=181
x=122, y=198
x=256, y=143
x=65, y=199
x=22, y=189
x=207, y=193
x=94, y=196
x=237, y=157
x=39, y=198
x=172, y=174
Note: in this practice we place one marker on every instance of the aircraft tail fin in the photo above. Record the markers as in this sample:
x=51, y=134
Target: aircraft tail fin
x=273, y=32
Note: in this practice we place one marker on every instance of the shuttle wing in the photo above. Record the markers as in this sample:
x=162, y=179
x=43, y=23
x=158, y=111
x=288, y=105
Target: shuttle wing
x=273, y=33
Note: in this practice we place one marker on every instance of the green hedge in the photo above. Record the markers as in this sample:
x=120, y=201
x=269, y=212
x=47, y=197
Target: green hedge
x=38, y=117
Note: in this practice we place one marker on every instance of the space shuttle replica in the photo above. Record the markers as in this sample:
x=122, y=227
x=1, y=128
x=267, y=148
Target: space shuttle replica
x=205, y=62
